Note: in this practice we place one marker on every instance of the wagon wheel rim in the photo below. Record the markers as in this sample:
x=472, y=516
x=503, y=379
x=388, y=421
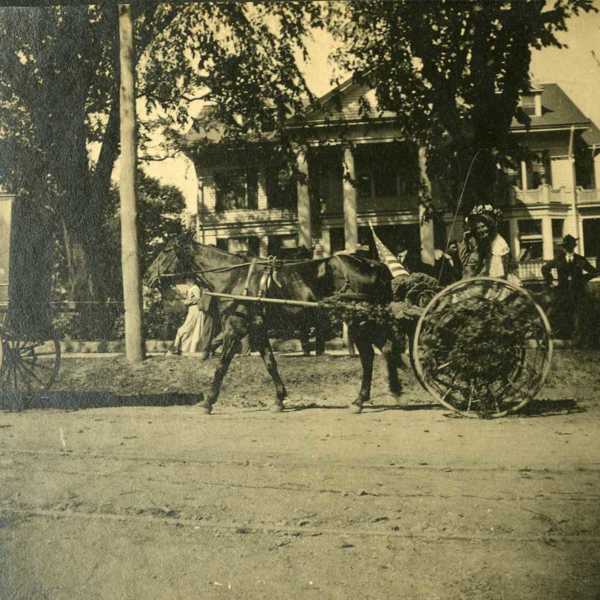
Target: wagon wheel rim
x=525, y=371
x=28, y=365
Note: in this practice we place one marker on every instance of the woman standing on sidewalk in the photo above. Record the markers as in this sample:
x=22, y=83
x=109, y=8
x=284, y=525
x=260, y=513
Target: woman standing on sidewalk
x=189, y=335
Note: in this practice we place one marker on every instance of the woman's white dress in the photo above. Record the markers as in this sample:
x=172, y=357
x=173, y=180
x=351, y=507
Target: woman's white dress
x=190, y=333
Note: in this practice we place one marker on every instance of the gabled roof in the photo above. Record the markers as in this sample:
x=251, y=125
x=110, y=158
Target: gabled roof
x=558, y=111
x=208, y=130
x=344, y=104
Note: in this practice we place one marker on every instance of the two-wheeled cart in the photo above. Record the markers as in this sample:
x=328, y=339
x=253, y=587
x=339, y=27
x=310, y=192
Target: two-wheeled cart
x=482, y=346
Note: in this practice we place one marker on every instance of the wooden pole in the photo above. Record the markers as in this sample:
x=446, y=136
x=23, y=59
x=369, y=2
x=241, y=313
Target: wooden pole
x=132, y=295
x=243, y=298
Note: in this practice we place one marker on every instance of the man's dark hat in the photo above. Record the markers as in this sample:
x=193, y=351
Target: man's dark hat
x=569, y=240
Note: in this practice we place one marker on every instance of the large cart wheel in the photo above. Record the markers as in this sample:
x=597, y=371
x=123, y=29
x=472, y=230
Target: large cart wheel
x=27, y=365
x=482, y=347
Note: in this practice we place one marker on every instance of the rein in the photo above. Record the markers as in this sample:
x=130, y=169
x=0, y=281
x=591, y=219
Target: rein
x=271, y=262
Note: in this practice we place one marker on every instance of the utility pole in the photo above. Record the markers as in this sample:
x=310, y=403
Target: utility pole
x=132, y=290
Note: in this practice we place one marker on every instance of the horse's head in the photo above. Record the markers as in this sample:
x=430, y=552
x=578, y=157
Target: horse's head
x=174, y=261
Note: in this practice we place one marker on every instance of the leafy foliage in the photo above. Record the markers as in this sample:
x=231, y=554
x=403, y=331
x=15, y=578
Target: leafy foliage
x=59, y=74
x=484, y=350
x=453, y=72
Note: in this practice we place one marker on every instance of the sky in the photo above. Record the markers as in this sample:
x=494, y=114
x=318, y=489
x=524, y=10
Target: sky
x=574, y=68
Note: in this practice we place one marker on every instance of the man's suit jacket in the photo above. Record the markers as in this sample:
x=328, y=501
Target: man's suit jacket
x=572, y=276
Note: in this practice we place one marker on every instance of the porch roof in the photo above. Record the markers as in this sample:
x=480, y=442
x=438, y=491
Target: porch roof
x=591, y=136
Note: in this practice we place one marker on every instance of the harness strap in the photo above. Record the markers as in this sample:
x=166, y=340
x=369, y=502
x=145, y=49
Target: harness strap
x=249, y=276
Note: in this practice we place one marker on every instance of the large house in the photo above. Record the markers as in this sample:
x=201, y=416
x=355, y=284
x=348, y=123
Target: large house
x=358, y=171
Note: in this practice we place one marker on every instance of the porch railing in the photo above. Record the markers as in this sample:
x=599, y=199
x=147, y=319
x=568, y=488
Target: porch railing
x=531, y=270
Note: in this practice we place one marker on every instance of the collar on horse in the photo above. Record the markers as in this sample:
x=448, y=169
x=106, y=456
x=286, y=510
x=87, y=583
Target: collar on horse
x=268, y=277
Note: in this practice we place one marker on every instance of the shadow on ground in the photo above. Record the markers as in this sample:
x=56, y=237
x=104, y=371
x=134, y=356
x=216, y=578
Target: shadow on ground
x=547, y=408
x=367, y=407
x=84, y=400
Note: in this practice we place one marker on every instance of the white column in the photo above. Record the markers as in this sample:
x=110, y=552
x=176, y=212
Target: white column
x=262, y=200
x=524, y=184
x=304, y=216
x=426, y=229
x=350, y=201
x=597, y=168
x=209, y=238
x=326, y=241
x=547, y=241
x=263, y=245
x=513, y=242
x=426, y=235
x=208, y=193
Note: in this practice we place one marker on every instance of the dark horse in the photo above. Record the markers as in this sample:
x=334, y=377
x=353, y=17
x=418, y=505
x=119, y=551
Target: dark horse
x=305, y=280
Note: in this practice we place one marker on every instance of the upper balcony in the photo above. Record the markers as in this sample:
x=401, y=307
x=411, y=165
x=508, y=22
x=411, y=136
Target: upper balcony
x=243, y=216
x=545, y=194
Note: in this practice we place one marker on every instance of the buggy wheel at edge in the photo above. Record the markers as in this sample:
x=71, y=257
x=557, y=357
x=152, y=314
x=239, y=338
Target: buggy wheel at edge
x=505, y=372
x=27, y=366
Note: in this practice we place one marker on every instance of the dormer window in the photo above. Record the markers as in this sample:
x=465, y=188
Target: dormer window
x=531, y=104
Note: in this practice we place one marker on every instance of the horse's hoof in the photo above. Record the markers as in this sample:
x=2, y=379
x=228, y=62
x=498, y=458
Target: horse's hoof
x=205, y=407
x=276, y=408
x=396, y=392
x=355, y=409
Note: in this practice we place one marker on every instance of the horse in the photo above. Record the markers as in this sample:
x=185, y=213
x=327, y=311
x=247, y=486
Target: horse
x=305, y=280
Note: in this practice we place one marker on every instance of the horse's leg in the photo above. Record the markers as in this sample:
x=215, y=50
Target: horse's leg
x=364, y=344
x=391, y=349
x=231, y=343
x=263, y=345
x=304, y=336
x=319, y=333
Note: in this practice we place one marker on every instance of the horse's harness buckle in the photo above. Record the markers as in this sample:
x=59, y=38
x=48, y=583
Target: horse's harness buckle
x=270, y=276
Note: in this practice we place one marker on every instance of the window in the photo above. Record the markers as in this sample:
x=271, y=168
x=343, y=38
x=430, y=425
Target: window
x=531, y=104
x=538, y=170
x=386, y=170
x=283, y=246
x=281, y=187
x=591, y=239
x=223, y=244
x=243, y=245
x=236, y=189
x=530, y=239
x=337, y=240
x=558, y=226
x=527, y=104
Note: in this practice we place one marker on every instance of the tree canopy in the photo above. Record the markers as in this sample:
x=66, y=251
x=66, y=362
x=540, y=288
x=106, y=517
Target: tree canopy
x=59, y=95
x=453, y=71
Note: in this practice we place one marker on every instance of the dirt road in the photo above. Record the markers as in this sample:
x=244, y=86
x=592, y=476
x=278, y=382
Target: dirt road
x=399, y=502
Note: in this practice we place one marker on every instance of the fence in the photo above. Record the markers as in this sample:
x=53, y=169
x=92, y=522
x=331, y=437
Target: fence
x=531, y=270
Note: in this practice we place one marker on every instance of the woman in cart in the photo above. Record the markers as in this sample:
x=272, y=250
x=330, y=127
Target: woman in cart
x=484, y=252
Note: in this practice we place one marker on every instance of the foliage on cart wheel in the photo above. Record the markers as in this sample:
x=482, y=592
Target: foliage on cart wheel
x=479, y=343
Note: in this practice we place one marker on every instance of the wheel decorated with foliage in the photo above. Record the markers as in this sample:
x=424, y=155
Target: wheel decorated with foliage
x=27, y=365
x=482, y=347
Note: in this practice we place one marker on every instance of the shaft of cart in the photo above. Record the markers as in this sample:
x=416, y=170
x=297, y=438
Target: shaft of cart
x=259, y=299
